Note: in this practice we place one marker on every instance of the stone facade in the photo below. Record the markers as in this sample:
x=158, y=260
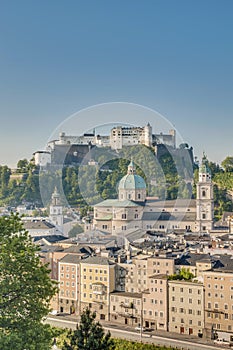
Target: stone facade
x=133, y=210
x=186, y=307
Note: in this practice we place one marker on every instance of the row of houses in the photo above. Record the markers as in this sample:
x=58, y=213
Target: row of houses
x=139, y=290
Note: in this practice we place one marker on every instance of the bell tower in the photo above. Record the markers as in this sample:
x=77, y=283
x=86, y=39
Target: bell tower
x=56, y=210
x=205, y=199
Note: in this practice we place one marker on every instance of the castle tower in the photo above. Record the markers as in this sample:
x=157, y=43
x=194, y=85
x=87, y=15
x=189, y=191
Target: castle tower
x=56, y=210
x=148, y=135
x=205, y=199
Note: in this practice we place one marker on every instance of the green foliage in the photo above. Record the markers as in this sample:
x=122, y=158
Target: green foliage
x=184, y=274
x=86, y=185
x=132, y=345
x=227, y=164
x=89, y=335
x=25, y=290
x=22, y=165
x=76, y=229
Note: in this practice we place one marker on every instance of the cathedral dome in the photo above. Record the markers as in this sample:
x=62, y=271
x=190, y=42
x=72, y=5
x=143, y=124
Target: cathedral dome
x=132, y=181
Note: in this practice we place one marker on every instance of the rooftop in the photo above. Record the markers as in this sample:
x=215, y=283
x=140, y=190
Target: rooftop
x=97, y=260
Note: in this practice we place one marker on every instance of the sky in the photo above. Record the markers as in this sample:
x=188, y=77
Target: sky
x=58, y=57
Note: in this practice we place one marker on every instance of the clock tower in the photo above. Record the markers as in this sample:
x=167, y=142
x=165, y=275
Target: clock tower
x=205, y=199
x=56, y=210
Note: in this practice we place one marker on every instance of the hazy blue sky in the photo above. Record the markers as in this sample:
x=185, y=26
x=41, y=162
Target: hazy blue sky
x=57, y=57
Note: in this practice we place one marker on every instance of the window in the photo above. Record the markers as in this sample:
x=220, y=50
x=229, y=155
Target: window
x=123, y=216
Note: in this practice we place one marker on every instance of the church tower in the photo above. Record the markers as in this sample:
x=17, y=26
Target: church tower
x=205, y=199
x=56, y=210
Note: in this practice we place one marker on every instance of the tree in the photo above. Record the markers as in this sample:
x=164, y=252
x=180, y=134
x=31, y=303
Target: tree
x=184, y=274
x=227, y=164
x=25, y=290
x=89, y=335
x=22, y=165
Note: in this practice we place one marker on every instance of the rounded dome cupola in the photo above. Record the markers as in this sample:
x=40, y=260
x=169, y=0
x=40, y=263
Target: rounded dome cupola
x=132, y=186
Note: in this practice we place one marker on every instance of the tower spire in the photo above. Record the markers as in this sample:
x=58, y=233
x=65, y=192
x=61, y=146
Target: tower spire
x=131, y=167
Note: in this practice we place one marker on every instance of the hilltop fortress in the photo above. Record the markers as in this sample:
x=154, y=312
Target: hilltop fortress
x=70, y=149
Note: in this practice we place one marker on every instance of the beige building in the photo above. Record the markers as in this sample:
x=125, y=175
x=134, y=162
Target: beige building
x=69, y=284
x=126, y=308
x=161, y=265
x=97, y=281
x=219, y=303
x=186, y=307
x=155, y=303
x=140, y=268
x=133, y=210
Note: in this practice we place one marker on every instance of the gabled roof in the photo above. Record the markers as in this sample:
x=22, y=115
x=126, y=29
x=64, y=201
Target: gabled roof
x=49, y=238
x=37, y=225
x=97, y=260
x=70, y=259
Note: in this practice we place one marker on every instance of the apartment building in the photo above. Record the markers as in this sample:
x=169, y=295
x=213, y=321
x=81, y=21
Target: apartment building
x=219, y=303
x=135, y=274
x=160, y=265
x=186, y=307
x=196, y=263
x=126, y=308
x=155, y=303
x=96, y=283
x=69, y=284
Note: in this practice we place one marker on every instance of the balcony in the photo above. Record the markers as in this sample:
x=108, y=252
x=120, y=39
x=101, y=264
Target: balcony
x=98, y=288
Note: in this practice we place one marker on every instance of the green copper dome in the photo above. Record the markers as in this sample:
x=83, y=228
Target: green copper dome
x=132, y=182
